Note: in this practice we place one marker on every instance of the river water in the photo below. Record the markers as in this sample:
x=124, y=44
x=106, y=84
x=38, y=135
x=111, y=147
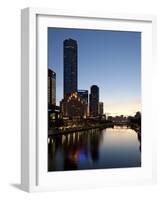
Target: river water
x=116, y=147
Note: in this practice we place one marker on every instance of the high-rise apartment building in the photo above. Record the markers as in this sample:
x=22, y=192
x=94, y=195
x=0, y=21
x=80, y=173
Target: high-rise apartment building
x=94, y=101
x=84, y=95
x=100, y=108
x=70, y=66
x=51, y=87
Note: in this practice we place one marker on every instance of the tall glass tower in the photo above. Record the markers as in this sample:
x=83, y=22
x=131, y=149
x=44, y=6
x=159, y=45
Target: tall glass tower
x=94, y=100
x=51, y=87
x=70, y=66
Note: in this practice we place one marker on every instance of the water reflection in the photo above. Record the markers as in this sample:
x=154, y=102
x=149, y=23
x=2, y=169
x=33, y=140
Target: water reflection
x=94, y=149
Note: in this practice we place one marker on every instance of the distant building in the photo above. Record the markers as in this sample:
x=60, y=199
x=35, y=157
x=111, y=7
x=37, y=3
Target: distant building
x=73, y=107
x=119, y=119
x=84, y=97
x=100, y=108
x=94, y=101
x=70, y=66
x=51, y=87
x=53, y=110
x=110, y=118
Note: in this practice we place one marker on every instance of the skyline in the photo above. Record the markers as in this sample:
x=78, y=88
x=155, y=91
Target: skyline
x=113, y=56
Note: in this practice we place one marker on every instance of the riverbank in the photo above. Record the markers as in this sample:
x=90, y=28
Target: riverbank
x=57, y=131
x=67, y=130
x=135, y=127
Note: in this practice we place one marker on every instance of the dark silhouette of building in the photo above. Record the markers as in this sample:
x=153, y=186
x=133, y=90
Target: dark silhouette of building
x=94, y=101
x=70, y=66
x=53, y=110
x=51, y=87
x=84, y=95
x=100, y=108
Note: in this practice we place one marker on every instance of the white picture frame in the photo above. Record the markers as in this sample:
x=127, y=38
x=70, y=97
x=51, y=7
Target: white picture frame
x=34, y=176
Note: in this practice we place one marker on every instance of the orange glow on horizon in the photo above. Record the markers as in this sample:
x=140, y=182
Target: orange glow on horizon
x=126, y=109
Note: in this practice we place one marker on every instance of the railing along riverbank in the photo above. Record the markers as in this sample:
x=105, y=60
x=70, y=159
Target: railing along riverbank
x=56, y=131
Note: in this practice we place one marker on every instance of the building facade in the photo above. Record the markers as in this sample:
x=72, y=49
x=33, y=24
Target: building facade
x=51, y=87
x=100, y=108
x=73, y=107
x=84, y=95
x=70, y=66
x=53, y=110
x=94, y=101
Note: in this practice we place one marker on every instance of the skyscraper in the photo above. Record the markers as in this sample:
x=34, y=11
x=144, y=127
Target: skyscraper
x=94, y=100
x=84, y=95
x=100, y=108
x=51, y=87
x=70, y=66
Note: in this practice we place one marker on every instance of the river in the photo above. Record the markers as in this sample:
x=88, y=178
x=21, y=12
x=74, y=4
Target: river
x=117, y=147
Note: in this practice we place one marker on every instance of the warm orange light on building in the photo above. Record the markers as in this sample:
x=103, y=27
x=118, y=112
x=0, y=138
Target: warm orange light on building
x=73, y=107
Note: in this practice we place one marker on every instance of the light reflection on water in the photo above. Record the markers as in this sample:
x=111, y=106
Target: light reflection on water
x=94, y=149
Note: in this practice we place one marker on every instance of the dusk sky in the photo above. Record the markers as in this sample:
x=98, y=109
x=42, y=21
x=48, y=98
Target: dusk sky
x=109, y=59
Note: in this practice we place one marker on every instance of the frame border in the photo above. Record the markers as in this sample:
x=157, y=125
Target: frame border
x=29, y=168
